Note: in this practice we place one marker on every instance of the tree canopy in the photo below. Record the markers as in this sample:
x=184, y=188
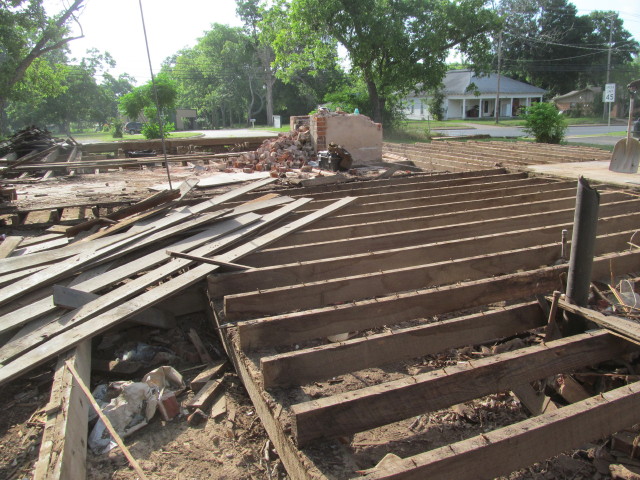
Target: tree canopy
x=546, y=43
x=393, y=44
x=27, y=35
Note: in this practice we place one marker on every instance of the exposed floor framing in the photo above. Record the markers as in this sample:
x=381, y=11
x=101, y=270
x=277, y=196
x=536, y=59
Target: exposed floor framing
x=412, y=267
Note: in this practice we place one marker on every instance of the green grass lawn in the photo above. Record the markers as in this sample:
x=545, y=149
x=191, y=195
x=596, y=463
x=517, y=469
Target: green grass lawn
x=106, y=137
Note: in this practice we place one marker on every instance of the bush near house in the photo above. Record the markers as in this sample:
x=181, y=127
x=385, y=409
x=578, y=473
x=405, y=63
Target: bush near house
x=544, y=122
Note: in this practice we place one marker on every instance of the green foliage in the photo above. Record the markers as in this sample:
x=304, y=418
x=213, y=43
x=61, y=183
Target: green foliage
x=141, y=98
x=392, y=45
x=546, y=43
x=436, y=104
x=116, y=129
x=544, y=122
x=152, y=129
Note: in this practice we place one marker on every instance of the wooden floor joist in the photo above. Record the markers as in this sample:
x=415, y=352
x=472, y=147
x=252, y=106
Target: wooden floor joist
x=319, y=322
x=317, y=250
x=388, y=402
x=504, y=450
x=274, y=276
x=318, y=363
x=373, y=284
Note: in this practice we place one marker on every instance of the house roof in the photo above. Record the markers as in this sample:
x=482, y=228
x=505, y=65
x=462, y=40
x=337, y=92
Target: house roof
x=577, y=92
x=456, y=82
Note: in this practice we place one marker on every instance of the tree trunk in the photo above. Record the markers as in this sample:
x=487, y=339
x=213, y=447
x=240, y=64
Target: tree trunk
x=377, y=102
x=3, y=117
x=269, y=80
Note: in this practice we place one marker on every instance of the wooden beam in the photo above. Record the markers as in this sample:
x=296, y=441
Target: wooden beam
x=342, y=266
x=339, y=290
x=625, y=327
x=63, y=449
x=385, y=212
x=205, y=396
x=71, y=299
x=506, y=449
x=120, y=313
x=296, y=327
x=325, y=361
x=402, y=223
x=370, y=407
x=416, y=236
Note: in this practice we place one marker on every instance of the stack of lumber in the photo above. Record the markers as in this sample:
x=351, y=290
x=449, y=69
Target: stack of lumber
x=59, y=294
x=342, y=331
x=457, y=156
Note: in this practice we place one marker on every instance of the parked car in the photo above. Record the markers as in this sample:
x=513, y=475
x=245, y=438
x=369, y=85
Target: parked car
x=133, y=127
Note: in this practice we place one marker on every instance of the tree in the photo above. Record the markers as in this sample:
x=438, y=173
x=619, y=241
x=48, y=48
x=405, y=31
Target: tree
x=393, y=45
x=546, y=43
x=27, y=35
x=544, y=122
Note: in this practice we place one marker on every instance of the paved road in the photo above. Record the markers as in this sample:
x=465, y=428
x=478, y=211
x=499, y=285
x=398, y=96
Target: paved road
x=575, y=134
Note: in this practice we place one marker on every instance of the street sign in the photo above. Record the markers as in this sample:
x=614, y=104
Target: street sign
x=609, y=93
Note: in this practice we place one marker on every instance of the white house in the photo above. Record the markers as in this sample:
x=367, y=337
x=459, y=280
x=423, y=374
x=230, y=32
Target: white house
x=471, y=96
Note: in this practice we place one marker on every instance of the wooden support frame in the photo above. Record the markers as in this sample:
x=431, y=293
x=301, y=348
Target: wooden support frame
x=64, y=443
x=506, y=449
x=318, y=363
x=389, y=310
x=371, y=407
x=373, y=284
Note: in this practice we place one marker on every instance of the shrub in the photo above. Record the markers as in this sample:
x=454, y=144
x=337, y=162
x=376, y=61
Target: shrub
x=116, y=129
x=543, y=121
x=152, y=129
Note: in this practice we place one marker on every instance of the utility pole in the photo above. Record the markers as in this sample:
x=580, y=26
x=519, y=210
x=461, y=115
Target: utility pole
x=609, y=65
x=497, y=107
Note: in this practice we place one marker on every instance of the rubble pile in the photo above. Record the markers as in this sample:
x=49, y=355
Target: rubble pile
x=287, y=151
x=27, y=140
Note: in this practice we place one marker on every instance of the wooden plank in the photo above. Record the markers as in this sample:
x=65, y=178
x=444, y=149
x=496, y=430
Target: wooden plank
x=402, y=223
x=326, y=361
x=296, y=462
x=118, y=295
x=227, y=265
x=275, y=276
x=625, y=327
x=205, y=396
x=370, y=407
x=148, y=299
x=207, y=374
x=382, y=212
x=415, y=236
x=320, y=322
x=504, y=450
x=62, y=269
x=372, y=284
x=71, y=299
x=200, y=348
x=42, y=307
x=13, y=264
x=8, y=245
x=63, y=449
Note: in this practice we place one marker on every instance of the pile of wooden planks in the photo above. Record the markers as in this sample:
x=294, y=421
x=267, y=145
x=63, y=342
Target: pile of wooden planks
x=415, y=267
x=456, y=156
x=55, y=300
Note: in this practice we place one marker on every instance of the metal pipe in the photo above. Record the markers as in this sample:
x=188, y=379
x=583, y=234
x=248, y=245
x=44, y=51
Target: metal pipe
x=583, y=241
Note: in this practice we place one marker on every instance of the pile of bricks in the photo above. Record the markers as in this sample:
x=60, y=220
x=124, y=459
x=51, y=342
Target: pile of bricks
x=287, y=151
